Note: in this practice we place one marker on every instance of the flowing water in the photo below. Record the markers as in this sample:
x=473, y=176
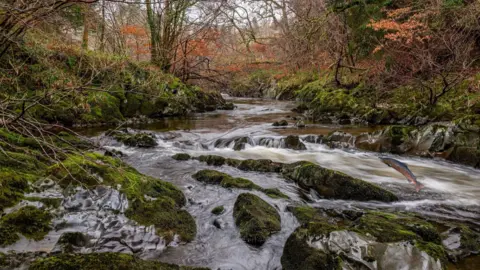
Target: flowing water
x=452, y=191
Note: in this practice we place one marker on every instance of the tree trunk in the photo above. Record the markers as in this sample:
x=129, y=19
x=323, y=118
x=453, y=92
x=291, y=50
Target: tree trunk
x=153, y=32
x=85, y=29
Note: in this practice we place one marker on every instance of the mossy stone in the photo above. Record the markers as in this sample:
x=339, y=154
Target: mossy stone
x=218, y=210
x=255, y=218
x=181, y=156
x=29, y=221
x=102, y=261
x=334, y=185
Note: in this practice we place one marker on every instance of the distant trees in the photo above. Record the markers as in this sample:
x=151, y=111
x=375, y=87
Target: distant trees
x=17, y=16
x=431, y=46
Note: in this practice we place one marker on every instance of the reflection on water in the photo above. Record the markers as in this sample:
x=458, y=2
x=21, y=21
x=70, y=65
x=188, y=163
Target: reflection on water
x=452, y=191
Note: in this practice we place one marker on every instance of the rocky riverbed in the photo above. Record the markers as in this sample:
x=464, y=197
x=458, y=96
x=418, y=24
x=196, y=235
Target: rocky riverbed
x=237, y=192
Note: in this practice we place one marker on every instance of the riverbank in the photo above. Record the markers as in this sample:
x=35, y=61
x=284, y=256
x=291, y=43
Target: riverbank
x=102, y=196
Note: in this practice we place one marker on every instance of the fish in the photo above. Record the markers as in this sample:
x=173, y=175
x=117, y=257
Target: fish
x=403, y=169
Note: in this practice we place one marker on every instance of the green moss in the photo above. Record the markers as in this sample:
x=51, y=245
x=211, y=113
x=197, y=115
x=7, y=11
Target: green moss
x=12, y=187
x=167, y=218
x=49, y=202
x=103, y=108
x=224, y=180
x=141, y=139
x=259, y=165
x=70, y=240
x=29, y=221
x=333, y=184
x=255, y=218
x=437, y=251
x=298, y=255
x=387, y=227
x=469, y=239
x=181, y=156
x=212, y=160
x=102, y=261
x=94, y=169
x=218, y=210
x=274, y=193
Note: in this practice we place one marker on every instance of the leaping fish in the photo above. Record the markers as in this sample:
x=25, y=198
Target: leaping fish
x=403, y=169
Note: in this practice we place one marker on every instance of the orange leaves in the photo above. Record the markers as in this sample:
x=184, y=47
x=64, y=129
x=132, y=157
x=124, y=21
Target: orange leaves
x=134, y=30
x=403, y=26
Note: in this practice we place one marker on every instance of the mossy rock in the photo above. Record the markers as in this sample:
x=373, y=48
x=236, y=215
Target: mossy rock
x=70, y=242
x=165, y=212
x=383, y=227
x=224, y=180
x=31, y=222
x=167, y=218
x=212, y=160
x=102, y=261
x=227, y=181
x=12, y=187
x=48, y=202
x=334, y=185
x=259, y=165
x=274, y=193
x=141, y=139
x=218, y=210
x=281, y=123
x=294, y=143
x=255, y=218
x=181, y=156
x=298, y=255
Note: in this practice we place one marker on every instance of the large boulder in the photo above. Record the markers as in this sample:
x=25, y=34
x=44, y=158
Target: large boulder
x=255, y=218
x=334, y=185
x=335, y=239
x=293, y=142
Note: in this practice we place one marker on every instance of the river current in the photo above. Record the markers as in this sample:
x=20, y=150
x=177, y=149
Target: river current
x=452, y=191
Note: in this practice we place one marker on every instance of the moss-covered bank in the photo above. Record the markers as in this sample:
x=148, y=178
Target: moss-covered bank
x=23, y=163
x=255, y=218
x=102, y=261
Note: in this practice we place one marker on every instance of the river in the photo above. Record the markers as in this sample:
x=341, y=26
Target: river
x=452, y=191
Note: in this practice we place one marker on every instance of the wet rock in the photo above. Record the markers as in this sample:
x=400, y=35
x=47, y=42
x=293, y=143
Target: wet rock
x=219, y=223
x=212, y=160
x=240, y=143
x=218, y=210
x=339, y=139
x=31, y=222
x=44, y=184
x=313, y=139
x=134, y=139
x=227, y=106
x=293, y=142
x=113, y=153
x=375, y=240
x=237, y=143
x=181, y=156
x=222, y=179
x=274, y=193
x=334, y=185
x=282, y=123
x=300, y=124
x=259, y=165
x=461, y=242
x=71, y=242
x=255, y=218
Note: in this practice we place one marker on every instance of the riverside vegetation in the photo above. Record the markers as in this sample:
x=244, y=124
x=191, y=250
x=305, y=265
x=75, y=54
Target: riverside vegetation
x=68, y=202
